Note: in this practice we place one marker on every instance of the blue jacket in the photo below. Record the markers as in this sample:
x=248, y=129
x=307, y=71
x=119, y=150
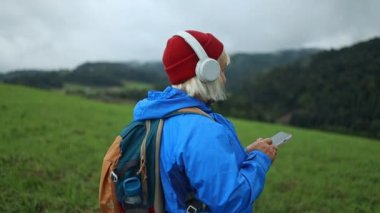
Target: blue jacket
x=203, y=156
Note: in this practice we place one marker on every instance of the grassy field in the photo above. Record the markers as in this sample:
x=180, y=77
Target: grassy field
x=52, y=147
x=121, y=94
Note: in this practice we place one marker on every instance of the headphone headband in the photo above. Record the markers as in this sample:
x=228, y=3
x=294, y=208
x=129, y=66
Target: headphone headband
x=195, y=45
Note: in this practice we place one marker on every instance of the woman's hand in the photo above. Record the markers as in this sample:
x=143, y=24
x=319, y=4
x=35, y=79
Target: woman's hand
x=264, y=145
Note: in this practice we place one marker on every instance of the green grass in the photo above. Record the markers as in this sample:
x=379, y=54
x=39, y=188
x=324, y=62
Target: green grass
x=126, y=93
x=52, y=147
x=134, y=85
x=319, y=172
x=127, y=86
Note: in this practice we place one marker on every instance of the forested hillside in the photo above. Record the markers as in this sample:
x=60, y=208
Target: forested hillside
x=249, y=65
x=129, y=81
x=336, y=90
x=107, y=74
x=103, y=74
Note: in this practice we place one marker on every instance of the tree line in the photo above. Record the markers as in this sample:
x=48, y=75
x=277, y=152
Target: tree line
x=336, y=90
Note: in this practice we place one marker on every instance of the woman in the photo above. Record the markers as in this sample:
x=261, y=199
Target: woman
x=203, y=166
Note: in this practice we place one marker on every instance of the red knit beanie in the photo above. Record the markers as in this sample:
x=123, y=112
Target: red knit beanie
x=180, y=60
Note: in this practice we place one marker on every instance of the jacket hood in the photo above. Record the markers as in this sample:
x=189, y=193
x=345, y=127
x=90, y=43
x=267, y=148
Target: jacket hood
x=159, y=103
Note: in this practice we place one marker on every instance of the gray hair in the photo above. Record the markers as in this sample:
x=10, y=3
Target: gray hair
x=208, y=91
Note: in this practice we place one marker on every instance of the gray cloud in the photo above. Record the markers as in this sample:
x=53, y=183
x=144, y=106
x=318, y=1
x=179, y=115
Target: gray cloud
x=63, y=34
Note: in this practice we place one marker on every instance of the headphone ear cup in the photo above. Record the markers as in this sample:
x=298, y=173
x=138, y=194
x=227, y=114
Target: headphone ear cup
x=207, y=70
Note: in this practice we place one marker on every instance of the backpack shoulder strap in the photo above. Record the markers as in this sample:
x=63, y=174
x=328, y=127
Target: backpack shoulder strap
x=158, y=193
x=188, y=110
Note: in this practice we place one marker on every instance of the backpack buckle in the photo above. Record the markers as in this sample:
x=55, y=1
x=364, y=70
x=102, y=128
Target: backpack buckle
x=191, y=209
x=114, y=177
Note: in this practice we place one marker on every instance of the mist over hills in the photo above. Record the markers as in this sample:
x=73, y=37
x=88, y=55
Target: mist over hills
x=114, y=73
x=244, y=65
x=337, y=90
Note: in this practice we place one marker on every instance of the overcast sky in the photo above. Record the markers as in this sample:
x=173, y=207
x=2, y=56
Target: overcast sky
x=52, y=34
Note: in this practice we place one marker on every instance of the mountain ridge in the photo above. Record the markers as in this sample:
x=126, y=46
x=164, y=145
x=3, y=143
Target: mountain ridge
x=334, y=89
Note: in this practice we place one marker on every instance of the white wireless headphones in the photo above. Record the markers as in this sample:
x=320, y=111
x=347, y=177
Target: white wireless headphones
x=207, y=69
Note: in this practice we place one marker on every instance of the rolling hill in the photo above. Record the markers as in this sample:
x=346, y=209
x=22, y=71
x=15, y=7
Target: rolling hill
x=52, y=147
x=336, y=90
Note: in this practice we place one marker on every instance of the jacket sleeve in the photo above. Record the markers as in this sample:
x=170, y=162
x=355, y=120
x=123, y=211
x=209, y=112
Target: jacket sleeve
x=219, y=180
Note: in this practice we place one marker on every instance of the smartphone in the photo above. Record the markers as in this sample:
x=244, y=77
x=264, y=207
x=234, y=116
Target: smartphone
x=280, y=138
